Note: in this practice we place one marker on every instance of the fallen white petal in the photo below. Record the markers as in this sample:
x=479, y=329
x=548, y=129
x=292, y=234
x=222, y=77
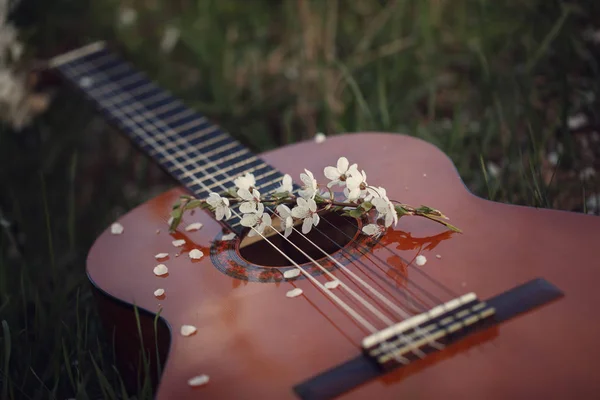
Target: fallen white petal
x=421, y=260
x=320, y=137
x=161, y=255
x=332, y=284
x=196, y=254
x=160, y=269
x=159, y=292
x=229, y=236
x=292, y=273
x=193, y=227
x=116, y=228
x=187, y=330
x=178, y=243
x=198, y=380
x=424, y=175
x=294, y=292
x=438, y=256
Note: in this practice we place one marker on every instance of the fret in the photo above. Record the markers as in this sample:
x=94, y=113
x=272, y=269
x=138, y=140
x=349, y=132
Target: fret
x=183, y=139
x=188, y=127
x=226, y=158
x=231, y=167
x=184, y=153
x=220, y=183
x=178, y=116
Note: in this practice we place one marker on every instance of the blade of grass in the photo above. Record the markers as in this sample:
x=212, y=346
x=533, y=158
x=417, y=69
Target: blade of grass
x=6, y=358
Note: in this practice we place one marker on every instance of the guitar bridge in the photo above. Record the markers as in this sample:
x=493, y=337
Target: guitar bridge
x=412, y=338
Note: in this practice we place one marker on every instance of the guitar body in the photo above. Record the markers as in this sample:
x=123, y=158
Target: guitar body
x=256, y=343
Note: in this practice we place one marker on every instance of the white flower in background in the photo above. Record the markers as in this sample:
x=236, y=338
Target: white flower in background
x=287, y=222
x=18, y=103
x=258, y=220
x=339, y=174
x=252, y=200
x=127, y=16
x=169, y=39
x=245, y=182
x=320, y=137
x=577, y=121
x=286, y=185
x=493, y=169
x=307, y=211
x=310, y=185
x=373, y=230
x=220, y=204
x=356, y=186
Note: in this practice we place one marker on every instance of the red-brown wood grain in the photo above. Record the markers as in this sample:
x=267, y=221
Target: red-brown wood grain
x=254, y=342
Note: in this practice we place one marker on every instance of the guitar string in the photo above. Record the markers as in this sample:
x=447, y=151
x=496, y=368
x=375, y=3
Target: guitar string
x=365, y=303
x=341, y=303
x=163, y=93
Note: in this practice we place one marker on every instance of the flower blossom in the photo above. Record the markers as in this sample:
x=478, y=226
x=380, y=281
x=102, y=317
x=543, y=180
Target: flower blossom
x=257, y=219
x=356, y=186
x=287, y=222
x=373, y=230
x=252, y=200
x=340, y=174
x=310, y=185
x=306, y=210
x=385, y=209
x=286, y=185
x=245, y=182
x=220, y=204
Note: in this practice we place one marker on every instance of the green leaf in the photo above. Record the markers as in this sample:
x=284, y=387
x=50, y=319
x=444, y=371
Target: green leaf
x=193, y=204
x=366, y=205
x=400, y=211
x=356, y=213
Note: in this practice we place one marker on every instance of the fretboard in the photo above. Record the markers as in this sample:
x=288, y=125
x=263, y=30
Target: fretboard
x=200, y=155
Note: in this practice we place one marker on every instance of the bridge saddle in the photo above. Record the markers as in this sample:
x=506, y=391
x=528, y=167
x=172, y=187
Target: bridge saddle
x=412, y=338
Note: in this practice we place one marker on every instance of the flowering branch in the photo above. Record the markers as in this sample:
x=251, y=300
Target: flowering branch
x=360, y=200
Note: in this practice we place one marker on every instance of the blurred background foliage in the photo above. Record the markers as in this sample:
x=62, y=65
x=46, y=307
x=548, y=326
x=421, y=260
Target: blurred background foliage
x=508, y=89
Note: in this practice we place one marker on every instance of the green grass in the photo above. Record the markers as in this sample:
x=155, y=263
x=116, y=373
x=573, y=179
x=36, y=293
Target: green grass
x=486, y=81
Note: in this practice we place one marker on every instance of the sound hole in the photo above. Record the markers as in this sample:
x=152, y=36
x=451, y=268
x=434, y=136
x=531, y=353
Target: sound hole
x=333, y=232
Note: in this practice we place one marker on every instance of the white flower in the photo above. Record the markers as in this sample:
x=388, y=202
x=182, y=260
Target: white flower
x=195, y=254
x=373, y=230
x=160, y=269
x=252, y=200
x=187, y=330
x=178, y=242
x=257, y=220
x=385, y=209
x=198, y=380
x=339, y=175
x=220, y=204
x=193, y=227
x=375, y=192
x=287, y=222
x=332, y=284
x=245, y=182
x=229, y=236
x=294, y=293
x=116, y=228
x=310, y=185
x=306, y=210
x=286, y=185
x=356, y=186
x=169, y=39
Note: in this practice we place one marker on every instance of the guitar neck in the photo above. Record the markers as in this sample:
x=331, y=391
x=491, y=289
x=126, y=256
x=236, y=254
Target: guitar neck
x=196, y=152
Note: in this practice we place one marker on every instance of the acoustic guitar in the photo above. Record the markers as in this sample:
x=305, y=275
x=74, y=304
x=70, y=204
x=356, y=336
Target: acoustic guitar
x=505, y=309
